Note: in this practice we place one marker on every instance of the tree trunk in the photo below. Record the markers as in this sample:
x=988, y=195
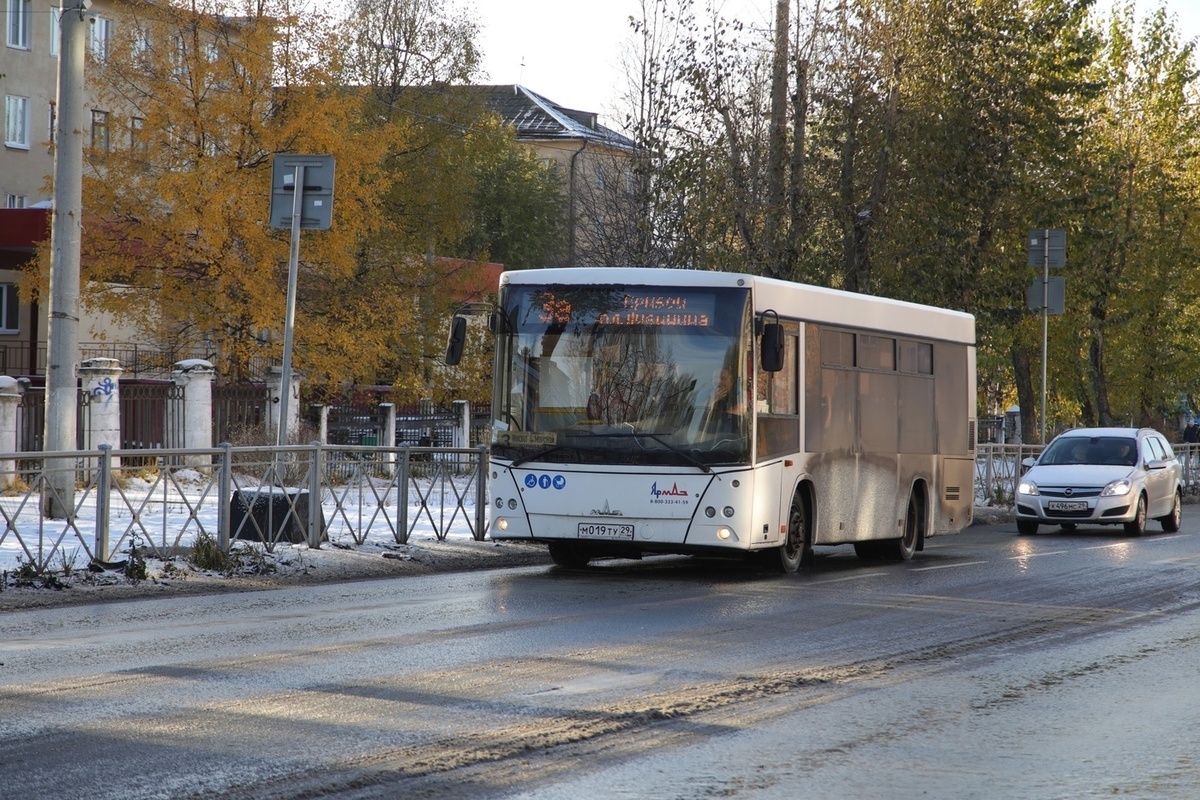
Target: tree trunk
x=1023, y=374
x=797, y=197
x=773, y=234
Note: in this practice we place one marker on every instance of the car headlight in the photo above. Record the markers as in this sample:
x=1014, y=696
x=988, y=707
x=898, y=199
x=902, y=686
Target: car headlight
x=1027, y=487
x=1117, y=488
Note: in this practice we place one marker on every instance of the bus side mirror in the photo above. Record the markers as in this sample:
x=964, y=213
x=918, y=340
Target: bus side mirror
x=457, y=340
x=499, y=322
x=770, y=357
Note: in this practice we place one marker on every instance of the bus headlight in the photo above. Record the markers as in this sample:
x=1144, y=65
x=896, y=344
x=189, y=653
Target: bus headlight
x=727, y=511
x=502, y=523
x=724, y=533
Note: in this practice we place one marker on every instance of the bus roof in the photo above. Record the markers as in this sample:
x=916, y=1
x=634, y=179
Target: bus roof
x=789, y=300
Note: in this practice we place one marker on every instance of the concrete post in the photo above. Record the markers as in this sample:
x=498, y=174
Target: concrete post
x=62, y=325
x=322, y=422
x=195, y=376
x=10, y=398
x=275, y=388
x=462, y=429
x=388, y=440
x=100, y=378
x=462, y=423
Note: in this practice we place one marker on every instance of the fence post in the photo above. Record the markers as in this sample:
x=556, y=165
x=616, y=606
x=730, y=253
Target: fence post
x=103, y=488
x=315, y=516
x=322, y=412
x=388, y=440
x=989, y=494
x=224, y=496
x=402, y=509
x=462, y=428
x=481, y=504
x=100, y=379
x=195, y=376
x=10, y=401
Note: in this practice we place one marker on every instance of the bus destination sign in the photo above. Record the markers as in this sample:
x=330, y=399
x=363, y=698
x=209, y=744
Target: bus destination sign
x=650, y=308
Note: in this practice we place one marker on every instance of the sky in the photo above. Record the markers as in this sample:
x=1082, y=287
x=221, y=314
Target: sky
x=570, y=51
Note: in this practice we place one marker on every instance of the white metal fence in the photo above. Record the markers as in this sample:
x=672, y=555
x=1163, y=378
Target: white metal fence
x=303, y=493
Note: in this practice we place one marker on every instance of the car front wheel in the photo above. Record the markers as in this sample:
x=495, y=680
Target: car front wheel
x=1026, y=527
x=1137, y=525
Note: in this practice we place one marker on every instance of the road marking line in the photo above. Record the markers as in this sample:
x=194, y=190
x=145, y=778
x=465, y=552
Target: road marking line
x=947, y=566
x=853, y=577
x=1034, y=555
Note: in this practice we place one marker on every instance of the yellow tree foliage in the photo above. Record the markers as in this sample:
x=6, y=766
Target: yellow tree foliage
x=201, y=97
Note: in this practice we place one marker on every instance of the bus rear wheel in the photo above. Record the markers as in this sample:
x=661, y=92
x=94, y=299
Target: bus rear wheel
x=904, y=548
x=567, y=556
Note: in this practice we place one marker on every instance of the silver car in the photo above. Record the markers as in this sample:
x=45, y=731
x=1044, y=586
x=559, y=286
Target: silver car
x=1102, y=476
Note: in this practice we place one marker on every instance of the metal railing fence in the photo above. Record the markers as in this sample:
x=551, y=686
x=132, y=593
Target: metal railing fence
x=265, y=495
x=297, y=494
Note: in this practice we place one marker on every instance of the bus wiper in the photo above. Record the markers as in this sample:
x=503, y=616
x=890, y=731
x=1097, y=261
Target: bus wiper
x=540, y=454
x=658, y=437
x=677, y=450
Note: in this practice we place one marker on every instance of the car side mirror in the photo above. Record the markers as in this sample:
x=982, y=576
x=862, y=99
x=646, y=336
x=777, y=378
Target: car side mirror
x=1028, y=462
x=1155, y=464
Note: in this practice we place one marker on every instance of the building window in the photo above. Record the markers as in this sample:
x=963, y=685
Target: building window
x=19, y=12
x=15, y=201
x=16, y=121
x=53, y=122
x=9, y=308
x=140, y=48
x=101, y=34
x=100, y=141
x=137, y=138
x=55, y=29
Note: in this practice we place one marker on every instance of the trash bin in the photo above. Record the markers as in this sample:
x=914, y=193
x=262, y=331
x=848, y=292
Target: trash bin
x=272, y=514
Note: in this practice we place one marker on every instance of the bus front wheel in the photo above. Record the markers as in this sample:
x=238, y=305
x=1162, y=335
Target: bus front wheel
x=796, y=550
x=567, y=556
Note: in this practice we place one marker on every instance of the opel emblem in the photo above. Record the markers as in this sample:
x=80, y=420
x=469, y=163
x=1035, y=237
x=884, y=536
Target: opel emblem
x=1069, y=491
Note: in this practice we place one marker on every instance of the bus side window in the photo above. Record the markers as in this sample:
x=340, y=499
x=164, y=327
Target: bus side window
x=778, y=402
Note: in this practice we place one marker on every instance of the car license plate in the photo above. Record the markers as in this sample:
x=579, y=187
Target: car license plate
x=1067, y=505
x=604, y=530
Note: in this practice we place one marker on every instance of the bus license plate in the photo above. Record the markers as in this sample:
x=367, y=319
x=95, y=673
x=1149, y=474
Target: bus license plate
x=603, y=530
x=1067, y=505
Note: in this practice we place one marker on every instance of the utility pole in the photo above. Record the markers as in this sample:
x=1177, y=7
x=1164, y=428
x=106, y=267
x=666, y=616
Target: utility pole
x=62, y=390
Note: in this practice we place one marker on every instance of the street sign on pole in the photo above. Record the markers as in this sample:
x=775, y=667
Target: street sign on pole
x=1055, y=294
x=1047, y=247
x=301, y=197
x=316, y=197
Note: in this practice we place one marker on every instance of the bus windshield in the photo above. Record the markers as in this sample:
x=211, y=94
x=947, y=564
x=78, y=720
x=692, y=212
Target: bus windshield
x=623, y=375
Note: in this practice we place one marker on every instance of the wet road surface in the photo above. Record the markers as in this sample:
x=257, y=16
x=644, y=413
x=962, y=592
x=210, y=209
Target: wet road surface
x=990, y=666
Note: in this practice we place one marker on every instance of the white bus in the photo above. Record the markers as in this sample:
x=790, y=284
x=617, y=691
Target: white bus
x=640, y=411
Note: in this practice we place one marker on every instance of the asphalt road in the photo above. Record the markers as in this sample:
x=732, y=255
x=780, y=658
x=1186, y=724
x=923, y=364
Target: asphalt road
x=991, y=666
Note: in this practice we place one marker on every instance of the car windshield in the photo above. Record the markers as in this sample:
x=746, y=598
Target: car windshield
x=1110, y=450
